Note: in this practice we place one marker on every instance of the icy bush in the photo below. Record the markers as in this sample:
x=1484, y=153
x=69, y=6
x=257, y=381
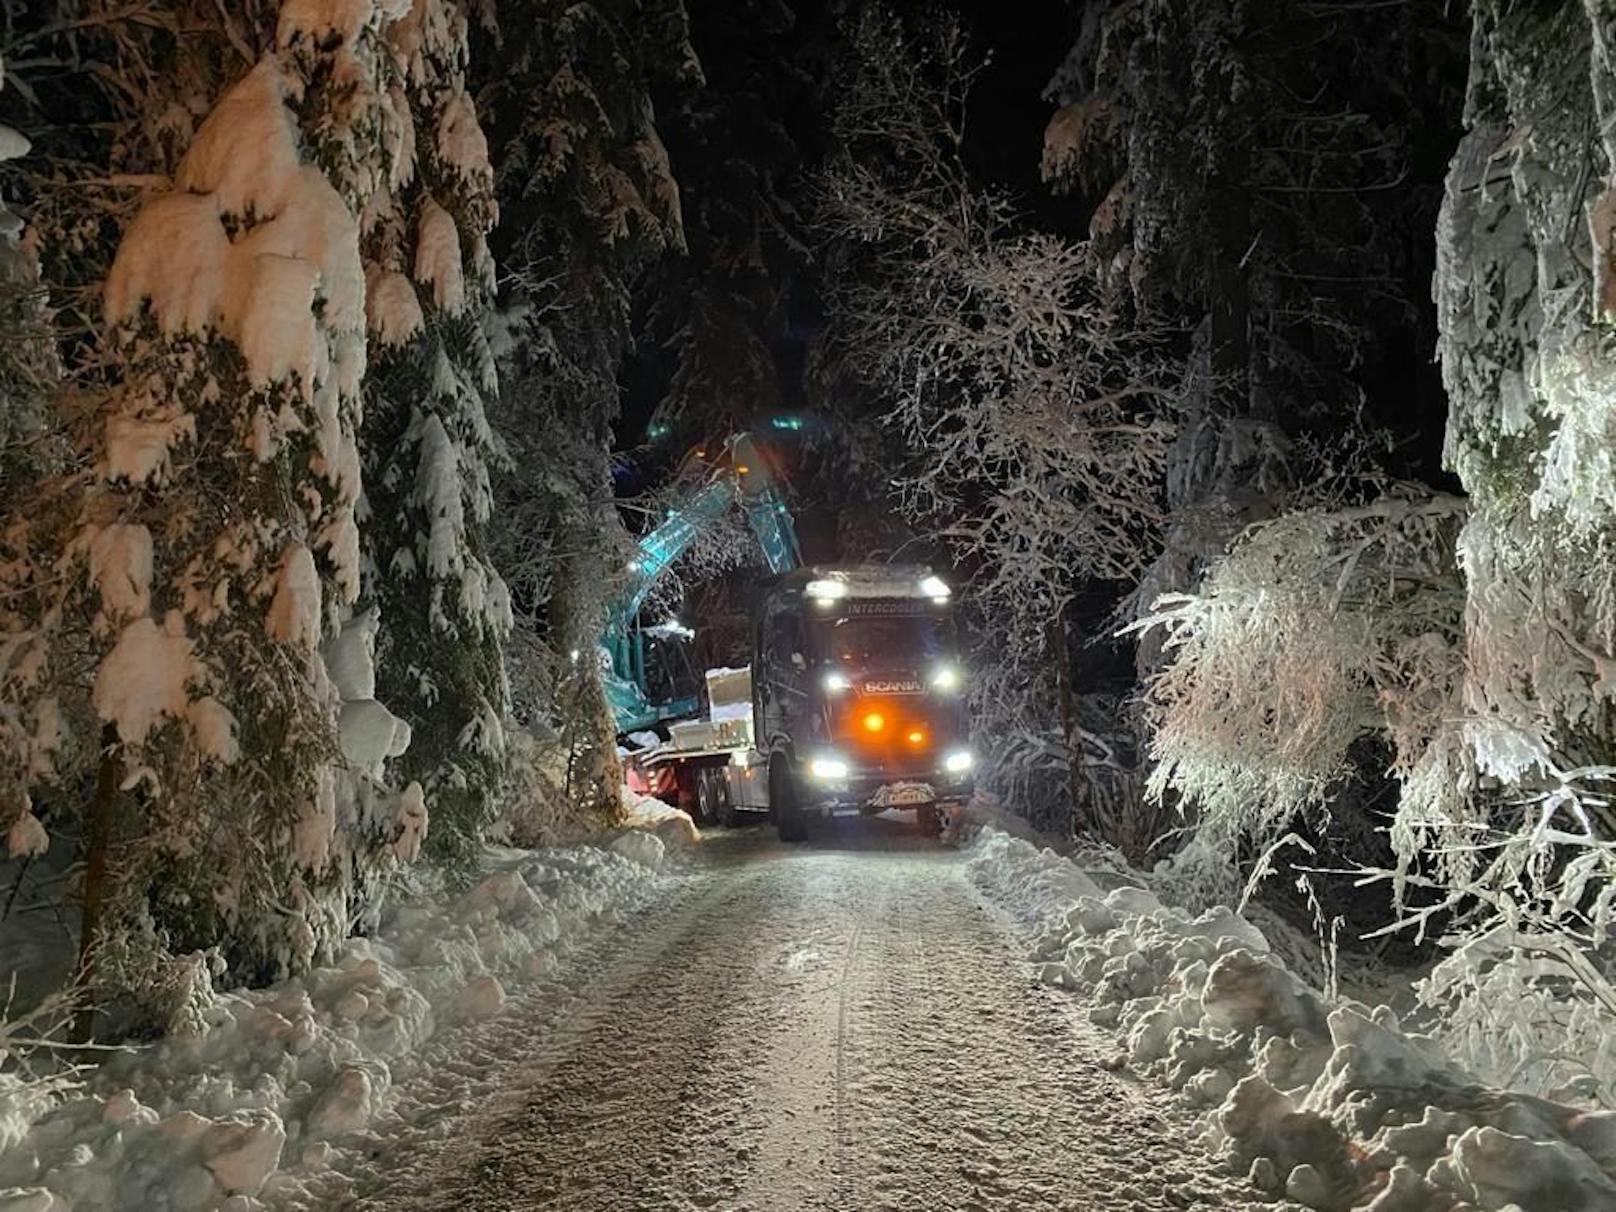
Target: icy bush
x=536, y=808
x=1314, y=630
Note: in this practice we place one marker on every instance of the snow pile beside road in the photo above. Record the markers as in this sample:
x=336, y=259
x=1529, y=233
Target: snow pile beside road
x=200, y=1122
x=1333, y=1106
x=672, y=826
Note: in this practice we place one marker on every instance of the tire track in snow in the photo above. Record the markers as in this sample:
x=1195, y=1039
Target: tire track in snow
x=843, y=985
x=835, y=1026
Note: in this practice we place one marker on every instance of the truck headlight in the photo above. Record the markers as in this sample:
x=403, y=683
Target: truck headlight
x=835, y=683
x=959, y=761
x=935, y=588
x=826, y=590
x=827, y=769
x=946, y=678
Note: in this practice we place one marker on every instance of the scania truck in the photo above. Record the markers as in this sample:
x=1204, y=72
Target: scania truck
x=857, y=699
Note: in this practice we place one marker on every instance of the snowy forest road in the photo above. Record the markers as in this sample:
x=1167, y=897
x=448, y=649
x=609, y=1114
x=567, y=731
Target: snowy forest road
x=839, y=1025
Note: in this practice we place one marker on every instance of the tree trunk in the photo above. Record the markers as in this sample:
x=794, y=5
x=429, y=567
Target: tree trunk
x=97, y=844
x=1063, y=682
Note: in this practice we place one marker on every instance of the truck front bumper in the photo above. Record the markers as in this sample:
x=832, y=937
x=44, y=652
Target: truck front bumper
x=863, y=790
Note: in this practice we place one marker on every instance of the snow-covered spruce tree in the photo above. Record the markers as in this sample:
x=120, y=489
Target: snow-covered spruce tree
x=1526, y=252
x=1255, y=176
x=1029, y=408
x=426, y=441
x=587, y=200
x=33, y=456
x=737, y=142
x=221, y=538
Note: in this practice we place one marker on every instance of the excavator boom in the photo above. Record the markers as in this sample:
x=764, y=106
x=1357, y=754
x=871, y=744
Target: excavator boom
x=742, y=477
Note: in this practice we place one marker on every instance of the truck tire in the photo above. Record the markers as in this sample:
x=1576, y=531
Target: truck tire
x=930, y=820
x=706, y=811
x=726, y=806
x=713, y=796
x=783, y=802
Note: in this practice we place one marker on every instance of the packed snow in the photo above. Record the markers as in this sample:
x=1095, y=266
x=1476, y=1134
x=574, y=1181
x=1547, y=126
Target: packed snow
x=1331, y=1105
x=277, y=1078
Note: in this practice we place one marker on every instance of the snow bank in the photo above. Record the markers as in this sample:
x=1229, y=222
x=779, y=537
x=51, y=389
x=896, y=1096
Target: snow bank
x=1332, y=1106
x=671, y=826
x=201, y=1121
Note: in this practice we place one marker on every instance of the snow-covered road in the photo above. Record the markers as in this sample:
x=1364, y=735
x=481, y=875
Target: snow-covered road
x=839, y=1025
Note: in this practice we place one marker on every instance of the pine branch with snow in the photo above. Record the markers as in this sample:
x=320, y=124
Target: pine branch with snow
x=220, y=538
x=430, y=451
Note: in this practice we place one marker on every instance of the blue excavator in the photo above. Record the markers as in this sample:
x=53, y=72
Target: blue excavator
x=737, y=474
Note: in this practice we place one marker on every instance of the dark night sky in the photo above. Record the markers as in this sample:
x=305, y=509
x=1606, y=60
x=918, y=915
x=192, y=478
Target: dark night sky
x=1023, y=43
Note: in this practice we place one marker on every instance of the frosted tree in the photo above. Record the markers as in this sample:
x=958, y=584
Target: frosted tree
x=216, y=535
x=429, y=449
x=1255, y=179
x=1028, y=406
x=587, y=201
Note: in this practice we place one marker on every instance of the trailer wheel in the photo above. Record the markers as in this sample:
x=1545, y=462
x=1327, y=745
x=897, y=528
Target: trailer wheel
x=788, y=818
x=712, y=800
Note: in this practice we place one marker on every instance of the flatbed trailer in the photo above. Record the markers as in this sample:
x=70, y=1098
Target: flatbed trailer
x=691, y=769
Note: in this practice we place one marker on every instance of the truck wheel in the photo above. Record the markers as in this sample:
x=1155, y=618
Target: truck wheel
x=726, y=807
x=788, y=818
x=930, y=820
x=712, y=794
x=706, y=798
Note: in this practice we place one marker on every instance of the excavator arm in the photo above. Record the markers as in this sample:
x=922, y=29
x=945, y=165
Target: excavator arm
x=742, y=478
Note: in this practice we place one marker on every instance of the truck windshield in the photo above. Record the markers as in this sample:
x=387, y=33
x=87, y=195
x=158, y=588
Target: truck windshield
x=887, y=641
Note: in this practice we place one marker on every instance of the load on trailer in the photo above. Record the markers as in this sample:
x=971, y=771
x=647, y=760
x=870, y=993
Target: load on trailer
x=857, y=699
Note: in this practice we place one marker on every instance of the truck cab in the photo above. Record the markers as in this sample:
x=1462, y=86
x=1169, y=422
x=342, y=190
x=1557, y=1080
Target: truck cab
x=857, y=698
